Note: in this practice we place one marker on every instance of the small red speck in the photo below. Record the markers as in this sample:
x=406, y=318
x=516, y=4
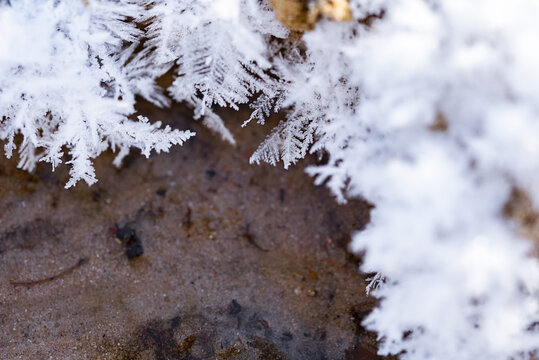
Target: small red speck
x=330, y=261
x=114, y=230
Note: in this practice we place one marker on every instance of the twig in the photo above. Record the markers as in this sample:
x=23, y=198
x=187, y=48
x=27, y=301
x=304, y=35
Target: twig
x=81, y=262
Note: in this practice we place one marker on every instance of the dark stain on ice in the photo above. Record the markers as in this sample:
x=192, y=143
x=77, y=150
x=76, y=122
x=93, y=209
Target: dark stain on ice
x=234, y=308
x=211, y=335
x=196, y=336
x=210, y=174
x=130, y=240
x=161, y=192
x=287, y=336
x=187, y=221
x=247, y=235
x=28, y=235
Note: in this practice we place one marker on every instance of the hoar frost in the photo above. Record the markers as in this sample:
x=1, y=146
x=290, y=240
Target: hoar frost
x=428, y=109
x=64, y=82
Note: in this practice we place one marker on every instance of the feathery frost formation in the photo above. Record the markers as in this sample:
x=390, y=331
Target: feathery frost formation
x=428, y=109
x=219, y=49
x=65, y=81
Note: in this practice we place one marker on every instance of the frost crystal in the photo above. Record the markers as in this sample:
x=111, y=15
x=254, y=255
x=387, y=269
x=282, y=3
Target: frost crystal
x=219, y=49
x=64, y=83
x=427, y=108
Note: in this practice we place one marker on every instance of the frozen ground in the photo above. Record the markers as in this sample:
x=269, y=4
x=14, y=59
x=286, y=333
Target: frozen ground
x=240, y=261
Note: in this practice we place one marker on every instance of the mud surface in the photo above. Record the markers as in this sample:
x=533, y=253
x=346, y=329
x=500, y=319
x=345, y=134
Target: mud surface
x=193, y=254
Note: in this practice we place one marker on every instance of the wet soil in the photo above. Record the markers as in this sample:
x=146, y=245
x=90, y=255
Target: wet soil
x=194, y=254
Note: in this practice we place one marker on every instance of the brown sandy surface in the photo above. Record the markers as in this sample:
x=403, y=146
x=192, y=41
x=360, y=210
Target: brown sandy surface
x=240, y=261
